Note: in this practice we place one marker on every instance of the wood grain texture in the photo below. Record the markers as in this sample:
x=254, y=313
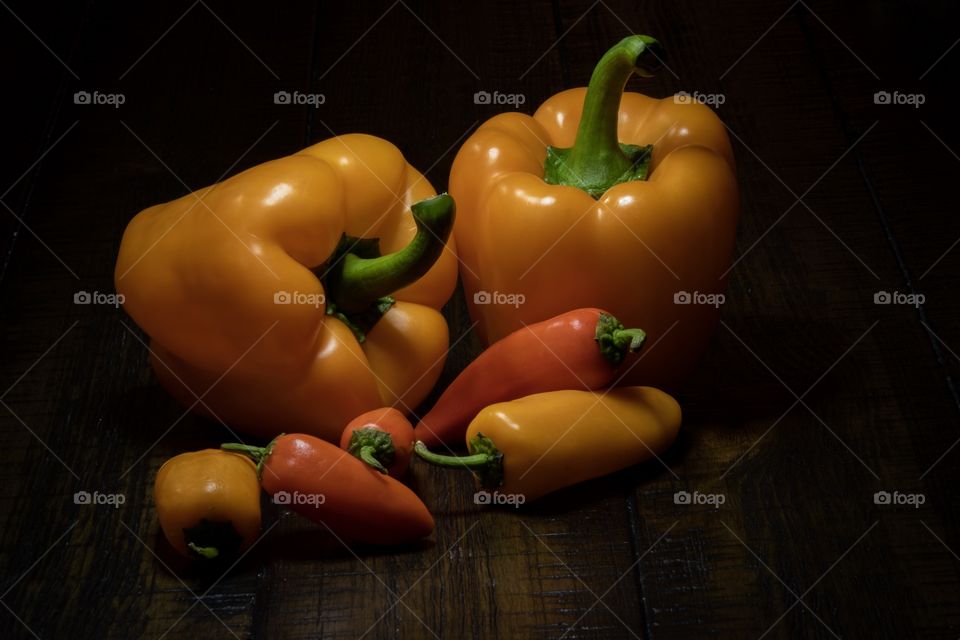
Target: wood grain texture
x=613, y=558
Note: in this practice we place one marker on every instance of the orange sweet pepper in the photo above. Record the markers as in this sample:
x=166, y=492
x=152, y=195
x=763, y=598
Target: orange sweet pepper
x=601, y=199
x=265, y=299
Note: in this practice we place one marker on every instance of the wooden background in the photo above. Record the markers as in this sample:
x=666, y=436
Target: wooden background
x=811, y=398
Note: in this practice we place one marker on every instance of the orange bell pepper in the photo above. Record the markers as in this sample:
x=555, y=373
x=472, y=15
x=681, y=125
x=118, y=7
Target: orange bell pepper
x=265, y=300
x=571, y=208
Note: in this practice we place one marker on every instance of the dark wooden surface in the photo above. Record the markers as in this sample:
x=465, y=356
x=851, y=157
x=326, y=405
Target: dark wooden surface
x=811, y=398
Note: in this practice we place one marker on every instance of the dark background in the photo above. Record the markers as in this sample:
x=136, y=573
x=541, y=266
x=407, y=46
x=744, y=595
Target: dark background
x=811, y=398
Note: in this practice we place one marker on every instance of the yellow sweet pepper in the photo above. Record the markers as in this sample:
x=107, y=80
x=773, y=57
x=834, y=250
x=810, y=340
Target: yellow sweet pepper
x=540, y=443
x=268, y=302
x=601, y=199
x=208, y=503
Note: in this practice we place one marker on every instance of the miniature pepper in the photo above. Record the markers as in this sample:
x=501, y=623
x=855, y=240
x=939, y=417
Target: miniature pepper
x=208, y=503
x=544, y=442
x=602, y=199
x=268, y=302
x=327, y=485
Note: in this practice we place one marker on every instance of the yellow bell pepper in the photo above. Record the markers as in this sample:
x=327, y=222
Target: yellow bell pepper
x=265, y=299
x=572, y=208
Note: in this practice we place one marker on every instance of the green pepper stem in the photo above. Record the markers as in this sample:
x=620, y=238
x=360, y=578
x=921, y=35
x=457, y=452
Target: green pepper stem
x=597, y=160
x=614, y=341
x=485, y=460
x=367, y=455
x=358, y=283
x=208, y=553
x=597, y=148
x=258, y=454
x=374, y=446
x=471, y=462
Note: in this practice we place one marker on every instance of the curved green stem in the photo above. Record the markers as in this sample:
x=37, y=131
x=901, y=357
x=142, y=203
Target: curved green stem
x=615, y=341
x=367, y=455
x=485, y=460
x=597, y=160
x=358, y=283
x=258, y=454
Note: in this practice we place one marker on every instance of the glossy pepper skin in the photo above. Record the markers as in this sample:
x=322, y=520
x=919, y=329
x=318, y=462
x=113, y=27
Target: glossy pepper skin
x=383, y=438
x=544, y=442
x=579, y=349
x=529, y=225
x=357, y=503
x=248, y=288
x=208, y=503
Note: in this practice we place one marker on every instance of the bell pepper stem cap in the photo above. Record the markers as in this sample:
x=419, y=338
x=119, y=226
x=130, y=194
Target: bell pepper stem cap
x=597, y=160
x=485, y=460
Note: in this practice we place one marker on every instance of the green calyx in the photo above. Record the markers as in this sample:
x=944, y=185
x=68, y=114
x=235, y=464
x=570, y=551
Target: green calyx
x=485, y=460
x=597, y=160
x=359, y=281
x=258, y=454
x=615, y=341
x=210, y=539
x=373, y=446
